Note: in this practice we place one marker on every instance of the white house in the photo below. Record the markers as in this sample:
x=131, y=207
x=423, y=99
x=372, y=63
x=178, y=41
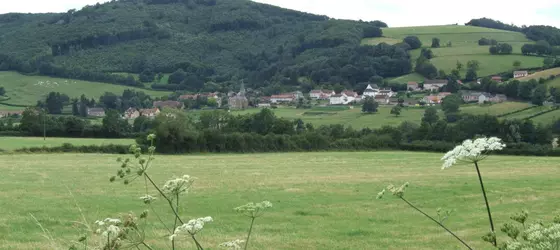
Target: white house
x=386, y=92
x=321, y=94
x=434, y=85
x=371, y=91
x=339, y=99
x=519, y=74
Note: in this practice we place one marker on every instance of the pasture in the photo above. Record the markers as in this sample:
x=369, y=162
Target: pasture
x=464, y=40
x=541, y=74
x=27, y=90
x=12, y=143
x=321, y=200
x=352, y=117
x=494, y=109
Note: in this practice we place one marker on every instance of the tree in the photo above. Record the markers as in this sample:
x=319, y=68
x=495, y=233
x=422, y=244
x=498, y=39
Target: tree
x=177, y=77
x=473, y=64
x=370, y=105
x=459, y=66
x=442, y=74
x=338, y=88
x=494, y=50
x=413, y=42
x=430, y=116
x=455, y=74
x=55, y=102
x=2, y=91
x=539, y=95
x=372, y=31
x=548, y=62
x=555, y=94
x=471, y=75
x=516, y=63
x=83, y=109
x=427, y=53
x=451, y=103
x=396, y=110
x=113, y=125
x=75, y=109
x=483, y=41
x=147, y=76
x=435, y=42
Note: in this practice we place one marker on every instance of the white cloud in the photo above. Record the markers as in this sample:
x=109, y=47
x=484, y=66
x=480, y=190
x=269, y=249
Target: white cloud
x=395, y=13
x=427, y=12
x=44, y=6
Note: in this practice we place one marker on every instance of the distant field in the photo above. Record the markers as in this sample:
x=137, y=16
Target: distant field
x=555, y=83
x=464, y=48
x=526, y=113
x=27, y=90
x=412, y=77
x=542, y=74
x=548, y=118
x=11, y=143
x=495, y=109
x=489, y=64
x=353, y=117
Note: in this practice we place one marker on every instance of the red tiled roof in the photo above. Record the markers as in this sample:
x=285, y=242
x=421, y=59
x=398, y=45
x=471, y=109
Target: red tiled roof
x=282, y=96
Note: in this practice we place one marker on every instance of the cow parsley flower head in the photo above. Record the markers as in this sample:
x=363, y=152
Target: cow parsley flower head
x=554, y=143
x=253, y=209
x=192, y=227
x=178, y=186
x=147, y=199
x=472, y=151
x=233, y=245
x=108, y=227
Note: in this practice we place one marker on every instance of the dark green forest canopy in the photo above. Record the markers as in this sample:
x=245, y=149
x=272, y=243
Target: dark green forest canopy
x=213, y=40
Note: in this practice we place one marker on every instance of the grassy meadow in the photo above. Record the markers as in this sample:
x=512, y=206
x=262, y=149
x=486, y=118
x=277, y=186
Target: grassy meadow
x=27, y=90
x=464, y=47
x=12, y=143
x=321, y=200
x=352, y=117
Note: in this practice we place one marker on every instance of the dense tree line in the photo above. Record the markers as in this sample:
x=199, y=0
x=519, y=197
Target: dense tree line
x=536, y=32
x=501, y=49
x=218, y=131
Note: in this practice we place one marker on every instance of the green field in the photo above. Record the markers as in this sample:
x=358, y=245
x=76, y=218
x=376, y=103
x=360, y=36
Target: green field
x=321, y=200
x=27, y=90
x=11, y=143
x=464, y=47
x=554, y=83
x=548, y=117
x=495, y=109
x=353, y=117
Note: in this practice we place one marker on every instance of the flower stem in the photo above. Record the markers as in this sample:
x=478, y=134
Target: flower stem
x=198, y=246
x=147, y=246
x=437, y=222
x=249, y=234
x=175, y=223
x=165, y=197
x=495, y=243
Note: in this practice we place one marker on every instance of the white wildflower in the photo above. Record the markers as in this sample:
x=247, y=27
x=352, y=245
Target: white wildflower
x=147, y=199
x=472, y=151
x=554, y=143
x=233, y=245
x=192, y=227
x=108, y=227
x=177, y=186
x=254, y=209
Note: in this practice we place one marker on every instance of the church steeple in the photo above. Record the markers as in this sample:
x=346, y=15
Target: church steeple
x=242, y=89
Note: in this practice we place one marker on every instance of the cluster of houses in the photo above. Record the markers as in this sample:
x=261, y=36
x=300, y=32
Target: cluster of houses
x=133, y=113
x=348, y=96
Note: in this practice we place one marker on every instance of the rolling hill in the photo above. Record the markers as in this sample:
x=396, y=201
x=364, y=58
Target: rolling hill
x=221, y=41
x=464, y=47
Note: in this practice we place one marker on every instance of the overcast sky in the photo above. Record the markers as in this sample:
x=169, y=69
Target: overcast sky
x=394, y=12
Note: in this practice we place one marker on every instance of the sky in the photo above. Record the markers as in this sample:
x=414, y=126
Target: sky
x=395, y=13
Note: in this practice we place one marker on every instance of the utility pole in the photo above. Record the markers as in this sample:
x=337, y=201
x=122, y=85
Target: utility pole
x=44, y=125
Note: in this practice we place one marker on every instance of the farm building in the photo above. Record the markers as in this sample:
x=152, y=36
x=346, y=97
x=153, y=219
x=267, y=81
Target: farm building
x=96, y=112
x=519, y=74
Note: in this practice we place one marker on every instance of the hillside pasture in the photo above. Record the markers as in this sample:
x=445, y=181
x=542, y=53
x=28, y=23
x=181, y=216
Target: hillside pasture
x=489, y=64
x=27, y=90
x=526, y=113
x=554, y=83
x=320, y=200
x=541, y=74
x=12, y=143
x=547, y=118
x=464, y=47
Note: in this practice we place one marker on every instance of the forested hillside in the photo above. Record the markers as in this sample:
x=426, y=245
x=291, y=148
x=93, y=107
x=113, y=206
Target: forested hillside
x=535, y=32
x=220, y=41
